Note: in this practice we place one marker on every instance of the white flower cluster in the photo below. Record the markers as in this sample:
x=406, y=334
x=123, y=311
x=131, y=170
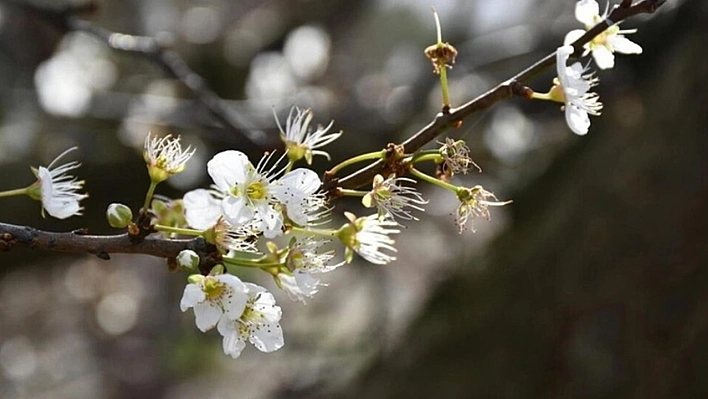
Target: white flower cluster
x=572, y=87
x=248, y=204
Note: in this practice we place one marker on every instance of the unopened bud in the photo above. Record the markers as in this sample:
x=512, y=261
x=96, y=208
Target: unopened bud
x=187, y=260
x=119, y=215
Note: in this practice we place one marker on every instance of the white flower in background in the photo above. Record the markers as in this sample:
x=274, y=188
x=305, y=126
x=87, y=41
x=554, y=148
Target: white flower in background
x=606, y=43
x=572, y=89
x=213, y=297
x=369, y=237
x=56, y=190
x=258, y=324
x=474, y=203
x=390, y=197
x=305, y=259
x=299, y=140
x=165, y=156
x=202, y=208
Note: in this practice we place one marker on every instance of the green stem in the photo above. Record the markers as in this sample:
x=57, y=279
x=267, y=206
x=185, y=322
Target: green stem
x=317, y=232
x=443, y=82
x=250, y=263
x=542, y=96
x=430, y=179
x=290, y=166
x=434, y=156
x=148, y=197
x=352, y=193
x=358, y=158
x=178, y=230
x=12, y=193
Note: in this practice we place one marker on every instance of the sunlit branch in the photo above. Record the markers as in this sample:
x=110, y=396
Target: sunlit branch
x=511, y=87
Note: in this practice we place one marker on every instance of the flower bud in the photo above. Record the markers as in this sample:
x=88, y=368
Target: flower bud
x=119, y=215
x=187, y=260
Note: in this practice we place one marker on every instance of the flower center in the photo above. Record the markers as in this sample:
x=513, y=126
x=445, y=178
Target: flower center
x=256, y=190
x=213, y=288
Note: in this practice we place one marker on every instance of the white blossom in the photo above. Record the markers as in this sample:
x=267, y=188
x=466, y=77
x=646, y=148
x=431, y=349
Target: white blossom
x=575, y=83
x=369, y=237
x=258, y=324
x=58, y=191
x=202, y=208
x=604, y=45
x=213, y=297
x=391, y=197
x=165, y=156
x=305, y=259
x=474, y=203
x=300, y=140
x=251, y=193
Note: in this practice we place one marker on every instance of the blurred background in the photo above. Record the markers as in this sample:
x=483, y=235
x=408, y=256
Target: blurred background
x=591, y=284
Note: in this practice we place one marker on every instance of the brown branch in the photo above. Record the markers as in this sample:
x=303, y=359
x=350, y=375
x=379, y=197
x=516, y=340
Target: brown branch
x=507, y=89
x=101, y=246
x=66, y=20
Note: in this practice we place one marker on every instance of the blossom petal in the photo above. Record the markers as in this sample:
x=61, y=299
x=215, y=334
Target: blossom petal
x=228, y=168
x=267, y=337
x=235, y=302
x=603, y=57
x=623, y=45
x=206, y=316
x=192, y=295
x=577, y=119
x=271, y=220
x=233, y=343
x=586, y=11
x=572, y=36
x=202, y=210
x=236, y=210
x=305, y=180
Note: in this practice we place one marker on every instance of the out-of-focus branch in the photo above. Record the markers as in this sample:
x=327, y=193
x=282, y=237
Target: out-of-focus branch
x=66, y=19
x=507, y=89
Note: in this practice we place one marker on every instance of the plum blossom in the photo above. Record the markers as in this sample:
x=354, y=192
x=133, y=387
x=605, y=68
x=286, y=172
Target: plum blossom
x=392, y=198
x=214, y=297
x=572, y=88
x=305, y=260
x=165, y=156
x=245, y=194
x=474, y=203
x=369, y=237
x=258, y=324
x=57, y=190
x=300, y=140
x=604, y=45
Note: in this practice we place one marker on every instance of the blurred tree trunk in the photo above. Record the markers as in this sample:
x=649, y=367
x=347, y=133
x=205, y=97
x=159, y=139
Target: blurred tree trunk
x=599, y=287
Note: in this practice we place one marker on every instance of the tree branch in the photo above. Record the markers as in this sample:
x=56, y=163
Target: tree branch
x=507, y=89
x=101, y=246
